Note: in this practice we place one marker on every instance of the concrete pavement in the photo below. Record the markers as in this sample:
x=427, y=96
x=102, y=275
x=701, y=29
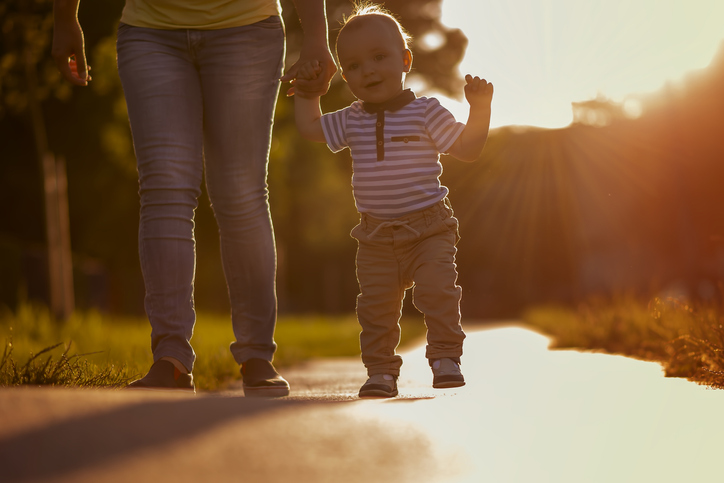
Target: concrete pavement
x=527, y=414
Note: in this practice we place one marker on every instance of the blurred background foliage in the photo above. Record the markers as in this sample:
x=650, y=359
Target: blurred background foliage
x=612, y=203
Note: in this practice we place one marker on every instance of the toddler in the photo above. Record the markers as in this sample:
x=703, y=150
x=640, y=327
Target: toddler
x=407, y=232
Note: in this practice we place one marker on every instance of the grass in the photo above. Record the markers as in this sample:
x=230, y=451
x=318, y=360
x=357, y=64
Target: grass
x=687, y=339
x=65, y=370
x=97, y=350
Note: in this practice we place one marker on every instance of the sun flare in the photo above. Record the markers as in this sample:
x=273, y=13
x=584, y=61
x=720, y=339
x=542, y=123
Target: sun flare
x=543, y=55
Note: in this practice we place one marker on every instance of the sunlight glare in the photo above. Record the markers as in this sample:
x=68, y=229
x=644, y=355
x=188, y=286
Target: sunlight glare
x=543, y=55
x=530, y=414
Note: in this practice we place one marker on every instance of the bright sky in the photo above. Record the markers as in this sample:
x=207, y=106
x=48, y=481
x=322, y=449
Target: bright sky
x=541, y=55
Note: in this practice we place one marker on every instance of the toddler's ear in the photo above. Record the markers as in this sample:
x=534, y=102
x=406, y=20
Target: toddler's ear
x=407, y=59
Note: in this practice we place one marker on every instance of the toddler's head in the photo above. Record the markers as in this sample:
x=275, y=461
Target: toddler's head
x=373, y=54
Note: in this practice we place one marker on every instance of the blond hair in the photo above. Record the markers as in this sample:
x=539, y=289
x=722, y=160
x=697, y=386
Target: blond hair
x=367, y=9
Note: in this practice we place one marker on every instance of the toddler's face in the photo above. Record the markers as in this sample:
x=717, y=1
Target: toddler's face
x=374, y=60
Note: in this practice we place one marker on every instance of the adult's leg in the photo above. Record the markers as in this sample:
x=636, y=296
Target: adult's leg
x=163, y=96
x=240, y=69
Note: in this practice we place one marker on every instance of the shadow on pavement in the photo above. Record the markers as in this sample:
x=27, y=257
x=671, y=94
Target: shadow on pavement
x=527, y=414
x=86, y=441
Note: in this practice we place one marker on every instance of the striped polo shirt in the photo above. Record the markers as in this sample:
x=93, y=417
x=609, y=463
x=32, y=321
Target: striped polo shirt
x=407, y=179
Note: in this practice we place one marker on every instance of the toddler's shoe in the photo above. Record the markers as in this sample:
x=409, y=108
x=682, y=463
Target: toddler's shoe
x=260, y=379
x=379, y=385
x=164, y=376
x=446, y=373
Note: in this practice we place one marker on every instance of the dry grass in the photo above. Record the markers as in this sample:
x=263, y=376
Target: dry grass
x=66, y=369
x=113, y=350
x=687, y=339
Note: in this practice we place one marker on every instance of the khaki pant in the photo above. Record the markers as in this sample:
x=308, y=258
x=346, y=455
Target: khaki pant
x=417, y=251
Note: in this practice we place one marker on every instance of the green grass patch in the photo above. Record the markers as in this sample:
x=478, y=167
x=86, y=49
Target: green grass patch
x=97, y=350
x=687, y=339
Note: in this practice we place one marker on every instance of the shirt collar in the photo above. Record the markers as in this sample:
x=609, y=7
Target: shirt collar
x=396, y=103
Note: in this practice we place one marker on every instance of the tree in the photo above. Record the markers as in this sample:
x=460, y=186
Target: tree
x=26, y=79
x=600, y=111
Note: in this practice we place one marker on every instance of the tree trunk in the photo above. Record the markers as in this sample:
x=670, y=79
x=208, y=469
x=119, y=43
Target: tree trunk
x=55, y=188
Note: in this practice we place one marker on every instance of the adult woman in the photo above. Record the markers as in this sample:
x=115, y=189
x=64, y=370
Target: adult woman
x=201, y=78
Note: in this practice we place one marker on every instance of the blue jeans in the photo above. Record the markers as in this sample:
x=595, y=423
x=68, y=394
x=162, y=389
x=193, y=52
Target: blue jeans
x=203, y=101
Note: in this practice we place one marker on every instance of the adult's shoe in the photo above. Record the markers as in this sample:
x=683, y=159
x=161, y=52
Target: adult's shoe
x=164, y=376
x=260, y=379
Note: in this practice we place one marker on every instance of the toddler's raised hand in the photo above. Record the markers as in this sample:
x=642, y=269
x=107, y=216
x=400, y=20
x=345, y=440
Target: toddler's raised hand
x=478, y=92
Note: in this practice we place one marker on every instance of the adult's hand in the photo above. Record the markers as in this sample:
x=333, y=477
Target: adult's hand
x=68, y=43
x=319, y=86
x=315, y=46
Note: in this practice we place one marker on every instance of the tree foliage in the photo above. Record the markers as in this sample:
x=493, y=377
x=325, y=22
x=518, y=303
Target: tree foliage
x=310, y=187
x=27, y=29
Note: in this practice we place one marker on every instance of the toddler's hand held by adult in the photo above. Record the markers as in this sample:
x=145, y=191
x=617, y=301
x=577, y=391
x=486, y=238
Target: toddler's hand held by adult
x=317, y=86
x=309, y=71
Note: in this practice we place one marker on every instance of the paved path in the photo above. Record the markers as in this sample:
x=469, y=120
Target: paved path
x=527, y=415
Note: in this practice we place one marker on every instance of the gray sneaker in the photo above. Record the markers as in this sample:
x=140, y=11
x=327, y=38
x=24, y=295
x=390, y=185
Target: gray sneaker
x=379, y=385
x=446, y=373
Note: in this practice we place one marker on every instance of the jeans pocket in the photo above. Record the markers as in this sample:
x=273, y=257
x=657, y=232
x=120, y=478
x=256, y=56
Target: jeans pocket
x=453, y=227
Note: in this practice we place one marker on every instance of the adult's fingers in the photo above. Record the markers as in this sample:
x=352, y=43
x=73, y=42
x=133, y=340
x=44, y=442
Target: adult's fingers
x=67, y=72
x=310, y=88
x=291, y=72
x=70, y=59
x=75, y=73
x=81, y=68
x=320, y=85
